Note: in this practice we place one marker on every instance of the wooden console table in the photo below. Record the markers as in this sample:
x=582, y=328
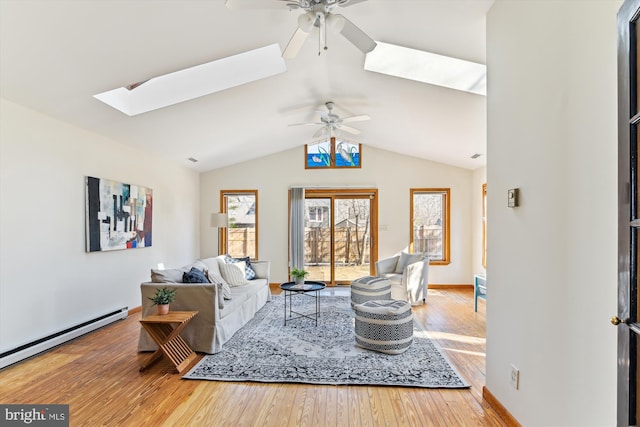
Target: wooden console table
x=479, y=289
x=161, y=328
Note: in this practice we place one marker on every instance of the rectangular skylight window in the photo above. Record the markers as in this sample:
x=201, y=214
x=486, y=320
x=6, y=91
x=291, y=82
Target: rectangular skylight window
x=427, y=67
x=197, y=81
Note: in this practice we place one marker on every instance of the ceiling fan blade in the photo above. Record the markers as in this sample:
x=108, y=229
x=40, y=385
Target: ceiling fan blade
x=321, y=132
x=295, y=44
x=356, y=118
x=351, y=3
x=306, y=124
x=349, y=129
x=352, y=33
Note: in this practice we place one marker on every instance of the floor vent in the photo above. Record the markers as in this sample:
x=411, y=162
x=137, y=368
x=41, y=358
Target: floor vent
x=43, y=344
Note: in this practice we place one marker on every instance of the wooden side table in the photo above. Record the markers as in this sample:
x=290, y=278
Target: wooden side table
x=165, y=331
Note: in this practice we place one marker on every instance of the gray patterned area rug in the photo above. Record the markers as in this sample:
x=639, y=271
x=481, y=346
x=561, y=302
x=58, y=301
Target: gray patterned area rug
x=265, y=350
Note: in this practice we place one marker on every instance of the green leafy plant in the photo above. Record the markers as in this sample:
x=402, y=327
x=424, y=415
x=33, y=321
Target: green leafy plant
x=163, y=296
x=298, y=273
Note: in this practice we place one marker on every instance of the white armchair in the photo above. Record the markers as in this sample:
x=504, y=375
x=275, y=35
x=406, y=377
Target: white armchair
x=408, y=274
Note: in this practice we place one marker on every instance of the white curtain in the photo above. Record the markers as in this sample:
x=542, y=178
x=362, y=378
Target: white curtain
x=296, y=228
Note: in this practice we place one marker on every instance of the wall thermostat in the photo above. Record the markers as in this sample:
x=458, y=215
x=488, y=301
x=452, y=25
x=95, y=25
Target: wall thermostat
x=512, y=197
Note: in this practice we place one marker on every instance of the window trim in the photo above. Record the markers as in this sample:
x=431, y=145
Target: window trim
x=222, y=243
x=446, y=194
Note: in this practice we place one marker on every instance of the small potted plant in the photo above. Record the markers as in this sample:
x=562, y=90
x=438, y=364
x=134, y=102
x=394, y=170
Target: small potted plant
x=298, y=275
x=162, y=298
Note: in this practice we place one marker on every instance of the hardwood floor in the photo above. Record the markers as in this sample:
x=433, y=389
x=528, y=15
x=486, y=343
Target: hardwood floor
x=97, y=375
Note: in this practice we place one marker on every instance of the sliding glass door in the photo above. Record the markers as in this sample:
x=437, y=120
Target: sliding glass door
x=340, y=237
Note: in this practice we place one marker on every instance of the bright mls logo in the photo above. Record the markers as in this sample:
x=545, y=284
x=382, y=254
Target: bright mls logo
x=38, y=415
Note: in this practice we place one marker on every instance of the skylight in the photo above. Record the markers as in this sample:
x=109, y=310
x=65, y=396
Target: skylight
x=427, y=67
x=197, y=81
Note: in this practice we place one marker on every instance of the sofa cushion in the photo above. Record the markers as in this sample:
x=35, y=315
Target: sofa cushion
x=241, y=294
x=194, y=276
x=406, y=259
x=249, y=272
x=234, y=273
x=172, y=275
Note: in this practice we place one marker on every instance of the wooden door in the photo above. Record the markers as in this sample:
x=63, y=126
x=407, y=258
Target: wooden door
x=628, y=213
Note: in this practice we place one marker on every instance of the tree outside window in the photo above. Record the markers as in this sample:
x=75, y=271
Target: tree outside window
x=240, y=239
x=430, y=223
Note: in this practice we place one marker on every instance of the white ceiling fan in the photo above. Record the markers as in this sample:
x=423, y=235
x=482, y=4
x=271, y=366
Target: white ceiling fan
x=318, y=13
x=331, y=122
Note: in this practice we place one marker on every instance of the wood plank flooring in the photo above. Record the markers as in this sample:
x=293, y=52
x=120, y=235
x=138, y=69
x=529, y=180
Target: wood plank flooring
x=98, y=376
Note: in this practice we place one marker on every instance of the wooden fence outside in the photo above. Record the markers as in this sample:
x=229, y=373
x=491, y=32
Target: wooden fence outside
x=347, y=244
x=241, y=241
x=429, y=241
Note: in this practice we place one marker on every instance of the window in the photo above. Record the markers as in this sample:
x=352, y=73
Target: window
x=240, y=239
x=315, y=213
x=429, y=223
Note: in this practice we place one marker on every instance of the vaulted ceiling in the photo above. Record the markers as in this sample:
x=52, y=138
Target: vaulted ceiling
x=55, y=55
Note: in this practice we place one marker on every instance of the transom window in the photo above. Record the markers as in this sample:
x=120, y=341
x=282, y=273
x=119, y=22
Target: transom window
x=429, y=223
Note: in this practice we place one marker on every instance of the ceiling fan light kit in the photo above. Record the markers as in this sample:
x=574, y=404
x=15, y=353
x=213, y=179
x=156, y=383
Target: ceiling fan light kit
x=332, y=122
x=318, y=13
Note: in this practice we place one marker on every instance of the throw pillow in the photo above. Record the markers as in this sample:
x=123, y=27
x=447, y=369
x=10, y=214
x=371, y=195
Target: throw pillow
x=194, y=276
x=173, y=275
x=249, y=272
x=233, y=273
x=406, y=259
x=223, y=287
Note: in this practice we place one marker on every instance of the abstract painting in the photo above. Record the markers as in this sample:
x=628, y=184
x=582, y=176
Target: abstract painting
x=118, y=215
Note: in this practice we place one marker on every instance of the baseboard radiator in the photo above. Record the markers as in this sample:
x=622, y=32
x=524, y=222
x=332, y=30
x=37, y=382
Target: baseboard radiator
x=43, y=344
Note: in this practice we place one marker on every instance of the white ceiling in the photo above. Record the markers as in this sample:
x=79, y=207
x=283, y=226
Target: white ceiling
x=55, y=55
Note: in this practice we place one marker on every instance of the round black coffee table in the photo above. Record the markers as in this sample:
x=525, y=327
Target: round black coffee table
x=308, y=288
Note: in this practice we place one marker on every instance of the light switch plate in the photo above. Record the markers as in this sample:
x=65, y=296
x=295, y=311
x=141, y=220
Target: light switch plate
x=512, y=198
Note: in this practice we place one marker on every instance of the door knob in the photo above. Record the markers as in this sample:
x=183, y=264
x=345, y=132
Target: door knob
x=615, y=320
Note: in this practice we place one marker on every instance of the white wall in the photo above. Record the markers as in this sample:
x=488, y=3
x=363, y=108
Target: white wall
x=479, y=178
x=392, y=174
x=552, y=261
x=47, y=280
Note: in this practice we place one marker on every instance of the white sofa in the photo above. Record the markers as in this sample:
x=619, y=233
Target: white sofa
x=218, y=318
x=408, y=274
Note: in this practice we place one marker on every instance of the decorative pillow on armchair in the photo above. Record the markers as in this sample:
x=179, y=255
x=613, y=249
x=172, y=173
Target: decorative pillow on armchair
x=406, y=259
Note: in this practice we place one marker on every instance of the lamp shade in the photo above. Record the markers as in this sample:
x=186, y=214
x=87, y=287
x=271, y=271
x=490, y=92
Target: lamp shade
x=219, y=220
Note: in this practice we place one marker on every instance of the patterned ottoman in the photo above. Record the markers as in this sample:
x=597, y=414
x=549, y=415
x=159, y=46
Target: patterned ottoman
x=384, y=325
x=370, y=288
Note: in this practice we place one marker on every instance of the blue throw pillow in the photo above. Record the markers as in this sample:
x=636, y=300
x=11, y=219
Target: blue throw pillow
x=194, y=276
x=249, y=272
